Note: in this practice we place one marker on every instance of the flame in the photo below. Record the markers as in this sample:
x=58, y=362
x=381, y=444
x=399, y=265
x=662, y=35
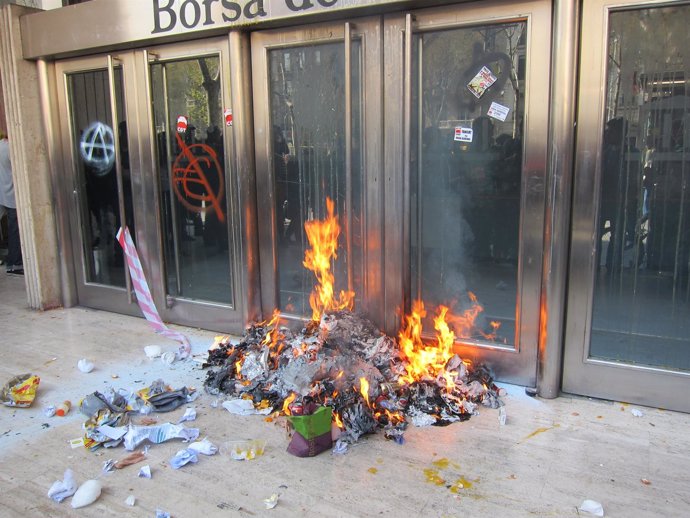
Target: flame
x=272, y=336
x=426, y=360
x=464, y=324
x=429, y=360
x=391, y=417
x=338, y=421
x=287, y=402
x=364, y=389
x=323, y=238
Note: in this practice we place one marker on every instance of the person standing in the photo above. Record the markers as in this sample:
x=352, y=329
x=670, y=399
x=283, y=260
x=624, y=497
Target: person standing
x=7, y=201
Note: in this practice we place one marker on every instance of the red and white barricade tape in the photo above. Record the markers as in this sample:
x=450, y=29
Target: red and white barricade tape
x=143, y=293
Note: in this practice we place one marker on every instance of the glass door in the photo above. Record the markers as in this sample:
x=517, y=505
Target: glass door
x=438, y=182
x=196, y=186
x=94, y=105
x=150, y=145
x=474, y=160
x=629, y=297
x=315, y=142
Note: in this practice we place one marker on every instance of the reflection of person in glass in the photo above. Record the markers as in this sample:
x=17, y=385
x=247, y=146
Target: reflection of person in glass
x=287, y=187
x=619, y=195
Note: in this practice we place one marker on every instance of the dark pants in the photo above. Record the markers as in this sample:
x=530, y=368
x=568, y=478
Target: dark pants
x=14, y=249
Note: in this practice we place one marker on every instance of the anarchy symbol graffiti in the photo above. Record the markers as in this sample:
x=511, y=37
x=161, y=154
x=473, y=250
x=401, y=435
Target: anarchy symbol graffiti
x=198, y=178
x=97, y=148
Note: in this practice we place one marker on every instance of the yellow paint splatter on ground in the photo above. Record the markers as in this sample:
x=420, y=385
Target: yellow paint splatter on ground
x=541, y=430
x=433, y=477
x=373, y=471
x=379, y=460
x=461, y=483
x=441, y=463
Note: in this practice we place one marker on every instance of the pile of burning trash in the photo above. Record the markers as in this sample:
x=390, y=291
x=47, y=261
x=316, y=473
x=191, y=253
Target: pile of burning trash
x=343, y=361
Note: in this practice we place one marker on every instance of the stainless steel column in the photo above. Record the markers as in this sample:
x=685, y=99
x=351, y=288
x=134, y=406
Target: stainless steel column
x=565, y=43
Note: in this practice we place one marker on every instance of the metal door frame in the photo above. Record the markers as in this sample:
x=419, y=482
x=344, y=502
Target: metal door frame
x=582, y=374
x=111, y=298
x=517, y=365
x=368, y=30
x=239, y=178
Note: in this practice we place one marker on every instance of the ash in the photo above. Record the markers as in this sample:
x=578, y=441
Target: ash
x=329, y=362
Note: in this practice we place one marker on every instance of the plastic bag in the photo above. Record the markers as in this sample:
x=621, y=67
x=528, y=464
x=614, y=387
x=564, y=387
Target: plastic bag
x=20, y=391
x=313, y=433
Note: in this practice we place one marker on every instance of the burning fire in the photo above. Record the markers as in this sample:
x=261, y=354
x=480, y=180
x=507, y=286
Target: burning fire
x=429, y=360
x=323, y=238
x=286, y=403
x=425, y=364
x=272, y=336
x=364, y=389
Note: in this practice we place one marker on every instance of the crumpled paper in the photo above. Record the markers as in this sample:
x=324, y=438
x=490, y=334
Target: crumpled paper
x=163, y=398
x=592, y=507
x=85, y=365
x=205, y=447
x=62, y=489
x=244, y=407
x=189, y=415
x=157, y=434
x=183, y=457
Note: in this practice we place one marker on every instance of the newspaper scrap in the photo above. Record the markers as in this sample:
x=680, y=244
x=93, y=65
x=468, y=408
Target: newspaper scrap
x=481, y=82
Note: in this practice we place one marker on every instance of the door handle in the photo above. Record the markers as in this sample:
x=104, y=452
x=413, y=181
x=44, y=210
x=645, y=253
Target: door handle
x=348, y=154
x=118, y=164
x=407, y=124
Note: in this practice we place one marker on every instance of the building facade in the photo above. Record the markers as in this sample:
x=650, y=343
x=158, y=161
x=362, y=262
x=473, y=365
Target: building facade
x=520, y=161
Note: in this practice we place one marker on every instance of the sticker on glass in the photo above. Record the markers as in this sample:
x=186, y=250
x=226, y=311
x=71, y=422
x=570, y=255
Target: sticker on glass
x=498, y=111
x=463, y=134
x=181, y=124
x=481, y=82
x=228, y=116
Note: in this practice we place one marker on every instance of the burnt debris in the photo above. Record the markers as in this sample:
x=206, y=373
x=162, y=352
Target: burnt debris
x=346, y=363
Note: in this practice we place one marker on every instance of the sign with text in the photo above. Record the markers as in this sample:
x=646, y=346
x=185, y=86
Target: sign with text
x=141, y=21
x=498, y=111
x=191, y=14
x=463, y=134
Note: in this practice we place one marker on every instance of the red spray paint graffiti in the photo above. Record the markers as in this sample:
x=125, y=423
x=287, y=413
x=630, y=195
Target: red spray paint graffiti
x=191, y=184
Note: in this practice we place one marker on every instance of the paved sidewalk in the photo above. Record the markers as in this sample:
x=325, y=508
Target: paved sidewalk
x=549, y=456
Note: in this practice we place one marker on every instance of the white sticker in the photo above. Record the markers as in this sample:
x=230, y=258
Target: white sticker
x=182, y=124
x=463, y=134
x=498, y=111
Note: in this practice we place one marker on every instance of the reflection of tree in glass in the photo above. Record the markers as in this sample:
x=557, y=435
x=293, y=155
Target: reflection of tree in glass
x=194, y=91
x=449, y=59
x=307, y=103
